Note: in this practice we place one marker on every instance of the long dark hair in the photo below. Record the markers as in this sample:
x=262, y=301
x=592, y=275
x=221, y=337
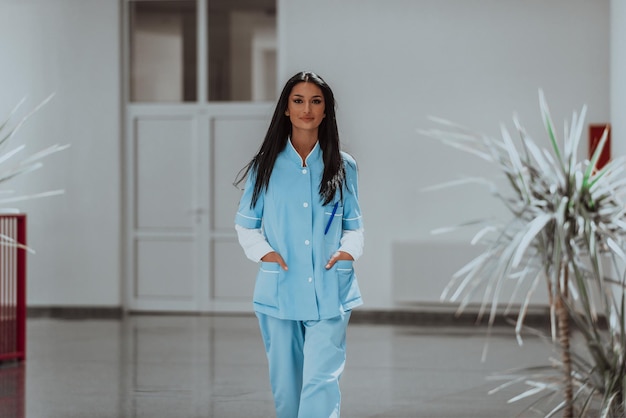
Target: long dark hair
x=276, y=140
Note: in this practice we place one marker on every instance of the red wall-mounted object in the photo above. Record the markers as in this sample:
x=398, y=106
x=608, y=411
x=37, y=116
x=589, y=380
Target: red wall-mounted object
x=596, y=130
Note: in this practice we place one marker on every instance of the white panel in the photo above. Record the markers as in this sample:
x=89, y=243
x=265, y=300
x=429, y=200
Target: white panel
x=234, y=274
x=421, y=271
x=165, y=269
x=235, y=142
x=164, y=173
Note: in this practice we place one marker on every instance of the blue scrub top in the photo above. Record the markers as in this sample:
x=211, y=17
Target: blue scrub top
x=293, y=219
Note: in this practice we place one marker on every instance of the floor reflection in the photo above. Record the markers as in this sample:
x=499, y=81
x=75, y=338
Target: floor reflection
x=12, y=390
x=192, y=367
x=215, y=366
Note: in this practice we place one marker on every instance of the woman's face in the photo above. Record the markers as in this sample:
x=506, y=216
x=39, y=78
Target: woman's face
x=306, y=107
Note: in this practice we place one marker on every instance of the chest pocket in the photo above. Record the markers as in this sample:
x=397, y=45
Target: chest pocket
x=333, y=221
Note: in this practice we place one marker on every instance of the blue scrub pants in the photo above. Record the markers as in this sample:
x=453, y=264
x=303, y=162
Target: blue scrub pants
x=306, y=359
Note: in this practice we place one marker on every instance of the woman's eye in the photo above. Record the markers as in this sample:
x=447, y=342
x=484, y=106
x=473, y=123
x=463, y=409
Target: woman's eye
x=317, y=101
x=297, y=101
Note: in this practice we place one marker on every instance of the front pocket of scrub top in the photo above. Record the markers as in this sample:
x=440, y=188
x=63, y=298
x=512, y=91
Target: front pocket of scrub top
x=266, y=287
x=348, y=287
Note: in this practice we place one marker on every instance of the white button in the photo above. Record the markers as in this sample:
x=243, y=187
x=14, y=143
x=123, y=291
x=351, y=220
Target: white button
x=307, y=242
x=305, y=204
x=310, y=279
x=304, y=171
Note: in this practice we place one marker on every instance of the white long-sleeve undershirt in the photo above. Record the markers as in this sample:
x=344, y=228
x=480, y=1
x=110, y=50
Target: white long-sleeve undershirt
x=255, y=246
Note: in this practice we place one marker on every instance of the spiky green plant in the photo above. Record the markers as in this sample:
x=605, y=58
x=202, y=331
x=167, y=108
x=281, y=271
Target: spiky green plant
x=567, y=232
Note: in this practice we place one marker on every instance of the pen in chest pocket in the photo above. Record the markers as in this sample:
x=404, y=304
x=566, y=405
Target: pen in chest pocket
x=332, y=216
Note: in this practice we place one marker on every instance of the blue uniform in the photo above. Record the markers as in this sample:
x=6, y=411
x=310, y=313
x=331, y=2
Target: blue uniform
x=294, y=220
x=303, y=312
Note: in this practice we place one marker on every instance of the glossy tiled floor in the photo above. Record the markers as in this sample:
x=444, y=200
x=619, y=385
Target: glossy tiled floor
x=186, y=366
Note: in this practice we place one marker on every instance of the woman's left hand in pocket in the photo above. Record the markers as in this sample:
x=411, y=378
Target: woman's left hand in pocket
x=339, y=255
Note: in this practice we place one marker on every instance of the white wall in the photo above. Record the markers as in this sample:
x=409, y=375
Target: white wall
x=618, y=81
x=390, y=63
x=393, y=63
x=70, y=47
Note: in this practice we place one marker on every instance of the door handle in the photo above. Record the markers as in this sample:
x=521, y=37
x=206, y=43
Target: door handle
x=198, y=213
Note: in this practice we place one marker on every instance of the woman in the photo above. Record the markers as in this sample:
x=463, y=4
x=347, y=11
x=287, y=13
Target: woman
x=299, y=215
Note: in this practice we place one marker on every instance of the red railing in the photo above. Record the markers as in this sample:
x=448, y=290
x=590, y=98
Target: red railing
x=12, y=288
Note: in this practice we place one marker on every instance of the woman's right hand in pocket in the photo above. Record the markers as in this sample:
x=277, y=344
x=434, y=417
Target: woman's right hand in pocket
x=274, y=257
